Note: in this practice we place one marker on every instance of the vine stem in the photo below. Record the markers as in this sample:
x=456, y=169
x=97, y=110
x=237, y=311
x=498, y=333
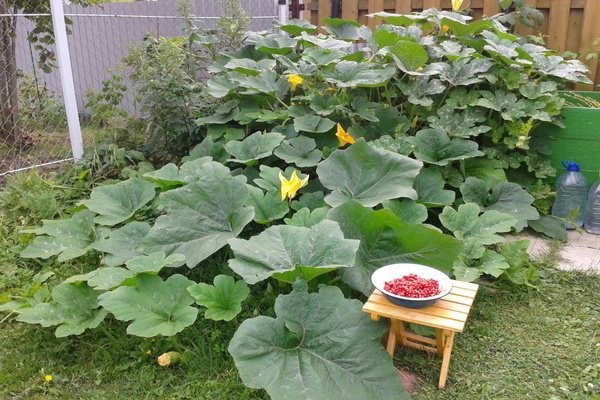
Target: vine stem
x=175, y=344
x=107, y=333
x=5, y=318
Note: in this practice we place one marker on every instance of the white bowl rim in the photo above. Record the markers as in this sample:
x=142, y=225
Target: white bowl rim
x=429, y=272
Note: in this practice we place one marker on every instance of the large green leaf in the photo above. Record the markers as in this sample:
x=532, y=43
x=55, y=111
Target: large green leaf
x=506, y=197
x=319, y=56
x=117, y=203
x=296, y=26
x=266, y=82
x=491, y=263
x=111, y=277
x=121, y=244
x=550, y=227
x=207, y=148
x=343, y=29
x=307, y=218
x=286, y=252
x=367, y=175
x=301, y=151
x=465, y=72
x=572, y=70
x=429, y=185
x=254, y=147
x=351, y=73
x=435, y=147
x=223, y=300
x=313, y=123
x=74, y=308
x=321, y=346
x=67, y=238
x=407, y=211
x=410, y=55
x=274, y=43
x=268, y=207
x=248, y=66
x=460, y=124
x=203, y=216
x=385, y=240
x=466, y=223
x=219, y=86
x=421, y=89
x=156, y=307
x=170, y=176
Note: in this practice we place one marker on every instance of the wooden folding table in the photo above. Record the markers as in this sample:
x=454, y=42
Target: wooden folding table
x=448, y=315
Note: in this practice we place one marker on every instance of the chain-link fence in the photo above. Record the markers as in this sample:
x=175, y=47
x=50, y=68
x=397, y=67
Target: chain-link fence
x=33, y=125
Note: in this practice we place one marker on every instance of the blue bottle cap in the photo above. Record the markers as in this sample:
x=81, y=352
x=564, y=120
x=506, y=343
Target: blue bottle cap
x=571, y=166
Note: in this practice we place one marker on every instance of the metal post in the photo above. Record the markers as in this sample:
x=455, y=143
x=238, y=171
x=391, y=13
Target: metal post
x=284, y=11
x=66, y=77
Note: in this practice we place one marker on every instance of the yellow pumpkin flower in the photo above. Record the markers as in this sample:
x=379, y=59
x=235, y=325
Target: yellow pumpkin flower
x=343, y=136
x=445, y=28
x=169, y=358
x=289, y=188
x=295, y=80
x=456, y=5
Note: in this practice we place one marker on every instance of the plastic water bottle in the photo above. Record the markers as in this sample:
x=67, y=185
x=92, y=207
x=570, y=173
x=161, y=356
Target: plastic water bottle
x=591, y=221
x=571, y=192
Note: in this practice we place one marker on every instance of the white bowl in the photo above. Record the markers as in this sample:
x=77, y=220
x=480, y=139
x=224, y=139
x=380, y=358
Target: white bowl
x=394, y=271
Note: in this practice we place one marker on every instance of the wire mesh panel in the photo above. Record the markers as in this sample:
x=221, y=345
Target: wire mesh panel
x=33, y=123
x=33, y=126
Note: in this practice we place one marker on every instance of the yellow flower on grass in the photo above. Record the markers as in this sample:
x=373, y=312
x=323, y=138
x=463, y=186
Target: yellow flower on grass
x=169, y=358
x=289, y=188
x=456, y=5
x=343, y=136
x=295, y=80
x=48, y=378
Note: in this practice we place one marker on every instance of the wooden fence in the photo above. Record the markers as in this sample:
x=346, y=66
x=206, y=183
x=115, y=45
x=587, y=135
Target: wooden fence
x=569, y=25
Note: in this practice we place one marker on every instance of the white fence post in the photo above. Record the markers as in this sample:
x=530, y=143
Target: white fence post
x=284, y=11
x=66, y=77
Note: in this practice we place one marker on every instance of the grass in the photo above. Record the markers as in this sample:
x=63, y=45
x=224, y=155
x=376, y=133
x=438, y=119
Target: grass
x=522, y=344
x=92, y=366
x=518, y=344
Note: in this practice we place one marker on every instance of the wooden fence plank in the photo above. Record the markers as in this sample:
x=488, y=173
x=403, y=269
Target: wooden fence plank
x=403, y=6
x=350, y=10
x=375, y=6
x=427, y=4
x=590, y=31
x=491, y=7
x=558, y=25
x=324, y=10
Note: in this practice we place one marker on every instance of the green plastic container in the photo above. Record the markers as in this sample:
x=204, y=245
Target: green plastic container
x=579, y=141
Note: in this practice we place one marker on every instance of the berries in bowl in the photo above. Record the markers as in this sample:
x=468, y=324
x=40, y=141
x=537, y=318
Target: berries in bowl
x=411, y=285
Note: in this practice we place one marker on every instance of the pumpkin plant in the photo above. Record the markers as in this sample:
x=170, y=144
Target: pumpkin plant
x=324, y=162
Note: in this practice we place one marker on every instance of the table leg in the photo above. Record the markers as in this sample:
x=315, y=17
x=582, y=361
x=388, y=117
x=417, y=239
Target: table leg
x=391, y=343
x=448, y=342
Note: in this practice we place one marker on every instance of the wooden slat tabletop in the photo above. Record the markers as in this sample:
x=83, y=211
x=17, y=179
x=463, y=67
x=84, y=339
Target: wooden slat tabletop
x=449, y=313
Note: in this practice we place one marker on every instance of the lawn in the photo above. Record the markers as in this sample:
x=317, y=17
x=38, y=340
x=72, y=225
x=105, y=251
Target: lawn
x=518, y=344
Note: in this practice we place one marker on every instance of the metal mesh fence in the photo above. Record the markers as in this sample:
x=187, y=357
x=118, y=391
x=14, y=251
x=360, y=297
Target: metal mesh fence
x=32, y=120
x=33, y=127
